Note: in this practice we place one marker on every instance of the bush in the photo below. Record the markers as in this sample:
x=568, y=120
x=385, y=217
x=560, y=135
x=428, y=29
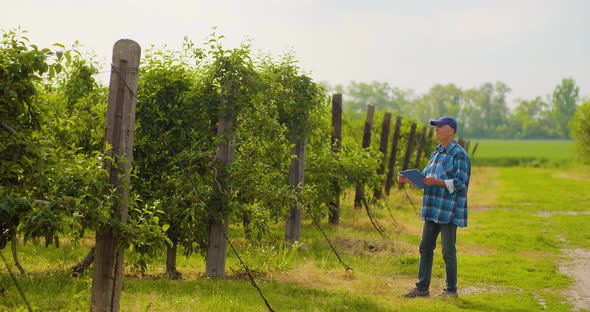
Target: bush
x=580, y=127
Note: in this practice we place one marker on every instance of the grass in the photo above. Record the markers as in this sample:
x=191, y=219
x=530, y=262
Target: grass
x=520, y=220
x=537, y=153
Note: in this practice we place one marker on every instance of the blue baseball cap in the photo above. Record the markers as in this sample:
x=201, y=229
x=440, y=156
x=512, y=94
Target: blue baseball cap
x=445, y=121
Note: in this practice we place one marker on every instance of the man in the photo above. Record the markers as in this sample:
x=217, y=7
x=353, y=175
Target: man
x=444, y=206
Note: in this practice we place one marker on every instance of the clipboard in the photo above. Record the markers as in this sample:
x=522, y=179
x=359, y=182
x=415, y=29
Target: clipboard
x=415, y=176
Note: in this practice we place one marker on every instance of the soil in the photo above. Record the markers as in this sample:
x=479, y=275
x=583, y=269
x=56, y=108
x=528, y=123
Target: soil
x=578, y=267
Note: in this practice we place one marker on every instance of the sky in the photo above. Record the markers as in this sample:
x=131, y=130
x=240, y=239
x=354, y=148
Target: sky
x=530, y=45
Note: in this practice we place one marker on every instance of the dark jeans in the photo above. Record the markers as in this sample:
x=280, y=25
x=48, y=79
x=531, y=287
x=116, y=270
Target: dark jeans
x=428, y=244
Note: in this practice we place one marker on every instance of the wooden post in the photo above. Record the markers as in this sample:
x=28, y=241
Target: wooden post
x=334, y=204
x=474, y=149
x=467, y=146
x=219, y=201
x=420, y=147
x=296, y=179
x=120, y=122
x=429, y=149
x=383, y=148
x=366, y=144
x=393, y=154
x=409, y=148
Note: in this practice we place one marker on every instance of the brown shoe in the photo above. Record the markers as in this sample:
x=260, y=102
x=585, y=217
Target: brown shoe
x=449, y=294
x=417, y=293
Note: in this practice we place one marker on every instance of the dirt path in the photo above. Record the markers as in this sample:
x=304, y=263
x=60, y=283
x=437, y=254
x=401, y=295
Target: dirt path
x=578, y=267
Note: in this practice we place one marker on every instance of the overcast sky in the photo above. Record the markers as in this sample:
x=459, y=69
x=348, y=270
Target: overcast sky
x=529, y=45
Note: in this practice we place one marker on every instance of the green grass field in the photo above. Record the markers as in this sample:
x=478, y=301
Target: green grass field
x=530, y=153
x=521, y=221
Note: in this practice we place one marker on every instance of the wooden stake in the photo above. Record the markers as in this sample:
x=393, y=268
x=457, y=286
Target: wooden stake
x=120, y=122
x=383, y=148
x=393, y=155
x=366, y=144
x=334, y=204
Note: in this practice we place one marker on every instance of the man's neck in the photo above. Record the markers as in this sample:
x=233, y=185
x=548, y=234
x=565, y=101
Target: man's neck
x=446, y=143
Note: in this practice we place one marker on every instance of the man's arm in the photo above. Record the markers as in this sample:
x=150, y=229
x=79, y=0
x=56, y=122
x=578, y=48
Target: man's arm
x=462, y=165
x=430, y=181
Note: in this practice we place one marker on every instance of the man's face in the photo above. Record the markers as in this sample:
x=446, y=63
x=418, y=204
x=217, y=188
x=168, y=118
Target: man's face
x=444, y=134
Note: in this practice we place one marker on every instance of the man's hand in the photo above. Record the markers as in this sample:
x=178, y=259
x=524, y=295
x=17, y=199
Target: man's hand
x=433, y=181
x=402, y=179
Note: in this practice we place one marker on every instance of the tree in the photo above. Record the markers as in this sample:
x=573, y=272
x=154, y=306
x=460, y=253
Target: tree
x=298, y=97
x=532, y=120
x=485, y=113
x=441, y=100
x=580, y=127
x=564, y=104
x=173, y=147
x=361, y=94
x=22, y=68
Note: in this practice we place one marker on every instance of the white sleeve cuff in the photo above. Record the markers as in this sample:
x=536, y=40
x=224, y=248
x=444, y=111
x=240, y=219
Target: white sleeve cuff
x=450, y=186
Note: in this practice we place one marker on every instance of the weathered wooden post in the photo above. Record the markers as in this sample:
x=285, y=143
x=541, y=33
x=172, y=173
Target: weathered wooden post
x=120, y=121
x=218, y=206
x=429, y=143
x=393, y=154
x=383, y=148
x=296, y=179
x=474, y=149
x=421, y=143
x=409, y=149
x=366, y=144
x=334, y=204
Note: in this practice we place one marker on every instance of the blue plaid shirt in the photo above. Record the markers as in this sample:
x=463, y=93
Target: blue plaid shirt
x=439, y=205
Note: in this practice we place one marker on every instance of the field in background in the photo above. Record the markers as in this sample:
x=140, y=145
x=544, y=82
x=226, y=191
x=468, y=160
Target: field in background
x=535, y=153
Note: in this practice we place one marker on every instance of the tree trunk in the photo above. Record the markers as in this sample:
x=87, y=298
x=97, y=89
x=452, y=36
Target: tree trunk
x=48, y=239
x=84, y=264
x=13, y=247
x=246, y=219
x=171, y=261
x=7, y=128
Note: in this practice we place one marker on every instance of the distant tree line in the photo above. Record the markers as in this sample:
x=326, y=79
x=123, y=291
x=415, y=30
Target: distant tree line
x=482, y=112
